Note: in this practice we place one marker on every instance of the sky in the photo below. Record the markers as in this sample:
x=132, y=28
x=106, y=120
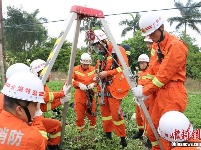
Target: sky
x=60, y=10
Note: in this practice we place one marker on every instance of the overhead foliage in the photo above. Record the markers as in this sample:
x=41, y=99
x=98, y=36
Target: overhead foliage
x=138, y=47
x=194, y=57
x=131, y=25
x=23, y=31
x=190, y=16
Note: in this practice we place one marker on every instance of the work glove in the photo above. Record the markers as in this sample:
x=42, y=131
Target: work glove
x=66, y=98
x=133, y=117
x=82, y=86
x=137, y=92
x=38, y=111
x=66, y=89
x=90, y=86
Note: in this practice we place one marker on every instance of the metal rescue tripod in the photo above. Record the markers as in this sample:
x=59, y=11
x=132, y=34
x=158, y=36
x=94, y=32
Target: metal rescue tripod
x=78, y=13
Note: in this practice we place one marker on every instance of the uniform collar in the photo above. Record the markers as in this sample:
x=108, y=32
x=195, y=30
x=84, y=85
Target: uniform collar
x=164, y=41
x=83, y=69
x=7, y=114
x=110, y=47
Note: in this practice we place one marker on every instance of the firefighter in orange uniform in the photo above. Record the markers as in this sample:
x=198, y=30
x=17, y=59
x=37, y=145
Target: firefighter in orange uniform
x=111, y=111
x=83, y=83
x=153, y=68
x=171, y=75
x=143, y=60
x=52, y=100
x=14, y=68
x=175, y=127
x=23, y=91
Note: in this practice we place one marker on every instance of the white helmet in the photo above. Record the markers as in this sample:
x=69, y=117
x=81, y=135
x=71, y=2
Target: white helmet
x=147, y=39
x=173, y=125
x=24, y=86
x=99, y=35
x=150, y=22
x=85, y=58
x=143, y=58
x=17, y=67
x=37, y=65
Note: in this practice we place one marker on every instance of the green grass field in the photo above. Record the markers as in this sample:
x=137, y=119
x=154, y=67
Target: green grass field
x=94, y=140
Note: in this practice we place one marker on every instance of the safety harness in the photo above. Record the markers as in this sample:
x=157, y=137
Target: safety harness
x=159, y=52
x=89, y=103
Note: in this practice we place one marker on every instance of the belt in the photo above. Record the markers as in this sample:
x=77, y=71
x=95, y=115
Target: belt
x=107, y=94
x=173, y=84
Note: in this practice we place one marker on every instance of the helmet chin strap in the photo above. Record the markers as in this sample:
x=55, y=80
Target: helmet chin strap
x=162, y=36
x=26, y=110
x=159, y=52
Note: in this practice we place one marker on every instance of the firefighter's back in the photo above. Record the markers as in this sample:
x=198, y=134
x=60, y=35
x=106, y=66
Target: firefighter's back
x=17, y=135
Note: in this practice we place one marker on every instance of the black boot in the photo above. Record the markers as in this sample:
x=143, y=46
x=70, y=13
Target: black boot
x=138, y=134
x=148, y=144
x=108, y=135
x=53, y=147
x=123, y=142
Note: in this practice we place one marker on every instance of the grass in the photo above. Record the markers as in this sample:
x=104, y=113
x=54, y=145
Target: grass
x=90, y=140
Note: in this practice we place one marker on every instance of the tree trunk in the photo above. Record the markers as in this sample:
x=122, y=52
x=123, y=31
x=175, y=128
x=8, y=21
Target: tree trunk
x=185, y=29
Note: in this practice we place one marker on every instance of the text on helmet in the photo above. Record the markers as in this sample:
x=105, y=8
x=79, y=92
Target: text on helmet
x=24, y=89
x=39, y=66
x=143, y=30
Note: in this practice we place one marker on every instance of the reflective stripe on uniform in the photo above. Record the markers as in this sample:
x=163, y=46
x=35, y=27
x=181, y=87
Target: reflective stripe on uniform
x=79, y=73
x=44, y=134
x=157, y=82
x=119, y=69
x=154, y=143
x=128, y=52
x=49, y=106
x=152, y=52
x=92, y=127
x=140, y=127
x=109, y=57
x=150, y=76
x=80, y=128
x=91, y=73
x=118, y=122
x=53, y=136
x=144, y=77
x=107, y=118
x=51, y=97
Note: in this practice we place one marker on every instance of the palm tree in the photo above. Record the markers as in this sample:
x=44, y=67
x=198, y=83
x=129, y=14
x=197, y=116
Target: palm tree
x=190, y=15
x=131, y=25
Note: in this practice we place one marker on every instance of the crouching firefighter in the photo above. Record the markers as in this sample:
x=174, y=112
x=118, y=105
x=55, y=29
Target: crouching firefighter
x=112, y=88
x=83, y=83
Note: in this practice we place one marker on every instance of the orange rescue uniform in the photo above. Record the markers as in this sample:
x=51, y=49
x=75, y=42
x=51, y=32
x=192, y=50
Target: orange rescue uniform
x=17, y=135
x=52, y=126
x=140, y=119
x=52, y=99
x=111, y=111
x=169, y=78
x=151, y=71
x=81, y=100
